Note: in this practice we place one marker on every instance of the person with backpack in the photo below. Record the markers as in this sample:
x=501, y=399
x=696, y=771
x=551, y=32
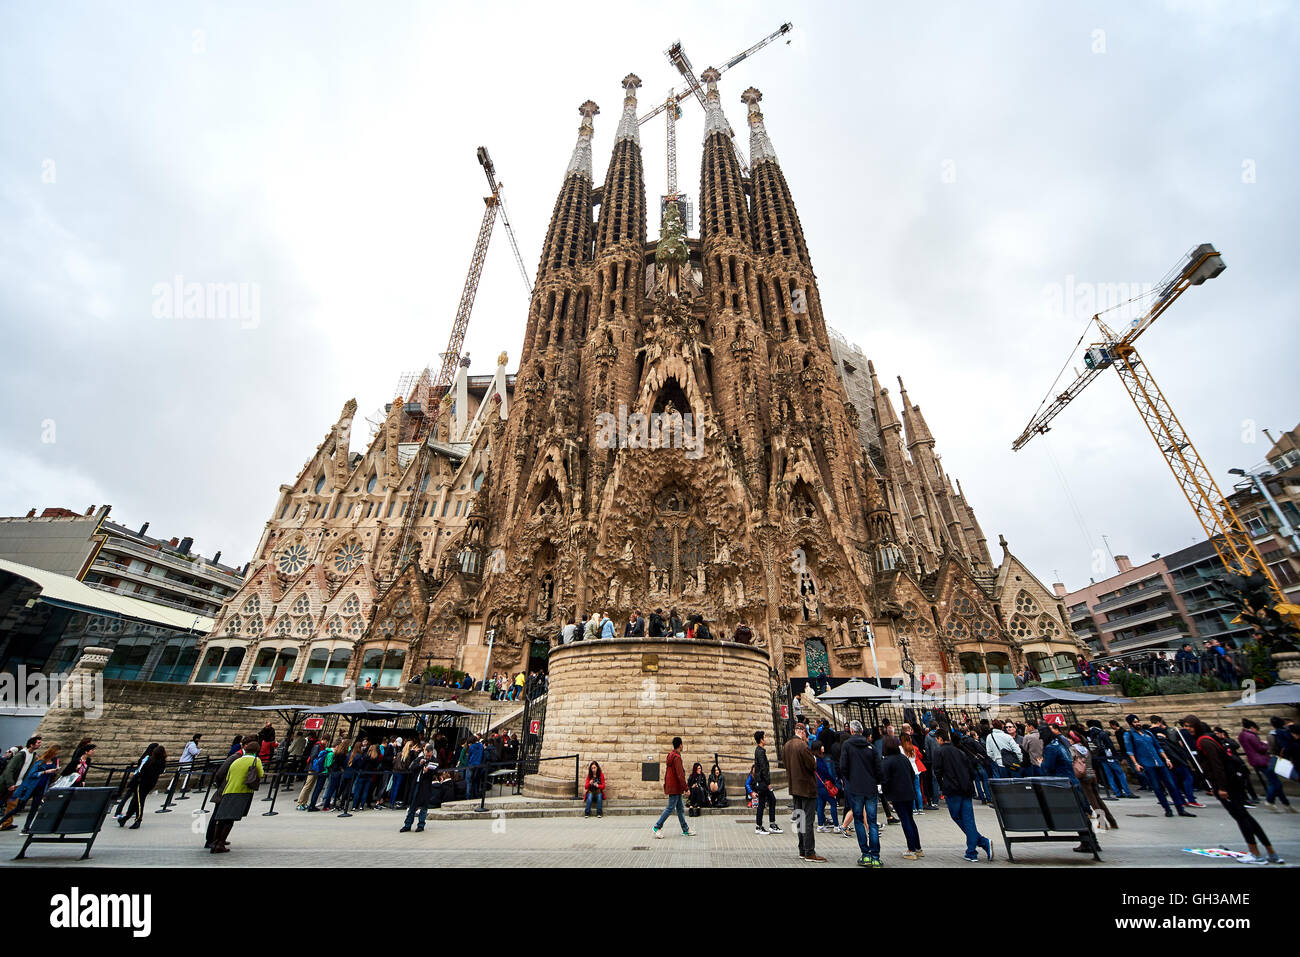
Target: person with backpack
x=1149, y=759
x=980, y=762
x=860, y=771
x=1105, y=757
x=954, y=770
x=142, y=783
x=1180, y=754
x=1226, y=777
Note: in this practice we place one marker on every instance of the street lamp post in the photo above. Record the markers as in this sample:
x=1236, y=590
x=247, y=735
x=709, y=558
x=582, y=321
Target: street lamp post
x=909, y=666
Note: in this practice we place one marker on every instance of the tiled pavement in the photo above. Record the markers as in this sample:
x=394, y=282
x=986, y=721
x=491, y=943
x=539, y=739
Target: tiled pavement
x=1145, y=838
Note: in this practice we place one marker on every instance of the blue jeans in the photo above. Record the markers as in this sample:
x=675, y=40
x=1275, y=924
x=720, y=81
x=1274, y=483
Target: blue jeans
x=908, y=823
x=1183, y=780
x=962, y=811
x=395, y=788
x=1159, y=778
x=411, y=809
x=359, y=791
x=333, y=788
x=674, y=802
x=600, y=802
x=1272, y=785
x=920, y=801
x=981, y=782
x=866, y=803
x=1115, y=778
x=822, y=802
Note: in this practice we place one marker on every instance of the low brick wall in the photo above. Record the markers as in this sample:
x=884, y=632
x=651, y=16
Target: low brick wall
x=1210, y=706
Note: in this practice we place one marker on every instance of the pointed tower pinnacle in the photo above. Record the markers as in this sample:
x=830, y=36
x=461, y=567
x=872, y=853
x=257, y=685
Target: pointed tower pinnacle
x=581, y=161
x=913, y=421
x=628, y=129
x=714, y=120
x=760, y=144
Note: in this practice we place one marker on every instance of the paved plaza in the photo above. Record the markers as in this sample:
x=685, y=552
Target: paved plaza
x=512, y=834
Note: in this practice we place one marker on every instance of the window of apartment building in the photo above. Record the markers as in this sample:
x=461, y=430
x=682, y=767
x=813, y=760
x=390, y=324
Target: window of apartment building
x=1283, y=572
x=1256, y=525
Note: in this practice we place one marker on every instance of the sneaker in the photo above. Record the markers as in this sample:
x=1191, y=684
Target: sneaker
x=1253, y=859
x=875, y=860
x=403, y=829
x=1290, y=809
x=1168, y=813
x=775, y=829
x=1182, y=813
x=419, y=829
x=846, y=832
x=658, y=833
x=988, y=848
x=864, y=860
x=909, y=856
x=974, y=859
x=1199, y=804
x=919, y=853
x=1275, y=859
x=822, y=828
x=688, y=833
x=815, y=859
x=761, y=830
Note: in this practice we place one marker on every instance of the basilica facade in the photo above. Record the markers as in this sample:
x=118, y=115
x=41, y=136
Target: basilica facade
x=683, y=433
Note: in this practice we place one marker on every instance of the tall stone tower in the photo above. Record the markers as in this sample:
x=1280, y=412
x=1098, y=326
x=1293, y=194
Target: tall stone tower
x=680, y=438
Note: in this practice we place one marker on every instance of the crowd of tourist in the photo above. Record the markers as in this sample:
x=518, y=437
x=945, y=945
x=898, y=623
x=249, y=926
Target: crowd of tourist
x=658, y=624
x=843, y=779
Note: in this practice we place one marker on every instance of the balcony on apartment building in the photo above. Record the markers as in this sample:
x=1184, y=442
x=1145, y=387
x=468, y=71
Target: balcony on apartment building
x=1143, y=617
x=155, y=600
x=158, y=580
x=1148, y=639
x=198, y=567
x=1147, y=590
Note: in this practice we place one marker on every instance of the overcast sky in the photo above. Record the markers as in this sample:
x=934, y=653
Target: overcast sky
x=957, y=167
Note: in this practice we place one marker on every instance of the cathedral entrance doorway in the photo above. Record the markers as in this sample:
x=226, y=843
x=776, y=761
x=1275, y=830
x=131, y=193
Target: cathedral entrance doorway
x=537, y=655
x=817, y=659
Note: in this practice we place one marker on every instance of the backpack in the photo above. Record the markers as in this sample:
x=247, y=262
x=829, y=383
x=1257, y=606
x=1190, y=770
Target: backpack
x=318, y=763
x=1080, y=763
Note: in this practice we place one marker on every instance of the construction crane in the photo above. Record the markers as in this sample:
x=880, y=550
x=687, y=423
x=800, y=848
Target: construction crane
x=1224, y=529
x=437, y=388
x=672, y=105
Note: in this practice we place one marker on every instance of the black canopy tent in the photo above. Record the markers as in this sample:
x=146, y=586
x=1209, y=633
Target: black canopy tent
x=1033, y=701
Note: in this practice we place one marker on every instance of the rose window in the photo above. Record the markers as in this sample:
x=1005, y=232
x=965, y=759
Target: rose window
x=293, y=559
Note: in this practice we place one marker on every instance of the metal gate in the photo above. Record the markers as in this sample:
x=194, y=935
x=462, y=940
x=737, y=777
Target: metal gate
x=530, y=738
x=782, y=700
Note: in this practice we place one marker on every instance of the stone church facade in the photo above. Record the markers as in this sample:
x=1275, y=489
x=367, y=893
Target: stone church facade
x=680, y=435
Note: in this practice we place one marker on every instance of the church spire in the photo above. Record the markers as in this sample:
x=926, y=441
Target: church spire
x=628, y=128
x=917, y=431
x=723, y=210
x=622, y=203
x=580, y=163
x=760, y=144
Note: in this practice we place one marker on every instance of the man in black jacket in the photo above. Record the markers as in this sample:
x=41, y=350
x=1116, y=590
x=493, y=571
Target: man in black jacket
x=955, y=775
x=1180, y=756
x=763, y=788
x=860, y=771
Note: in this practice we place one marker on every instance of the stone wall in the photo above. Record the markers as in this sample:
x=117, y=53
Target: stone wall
x=136, y=713
x=607, y=705
x=1210, y=707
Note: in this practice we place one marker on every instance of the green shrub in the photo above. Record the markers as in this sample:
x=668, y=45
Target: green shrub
x=1180, y=684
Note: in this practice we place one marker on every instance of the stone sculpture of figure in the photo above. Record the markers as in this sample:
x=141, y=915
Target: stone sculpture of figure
x=627, y=551
x=724, y=553
x=671, y=253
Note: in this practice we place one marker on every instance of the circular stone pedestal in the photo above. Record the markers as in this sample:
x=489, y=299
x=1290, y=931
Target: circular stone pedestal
x=621, y=701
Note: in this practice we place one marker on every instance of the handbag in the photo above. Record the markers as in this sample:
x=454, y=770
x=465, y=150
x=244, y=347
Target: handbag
x=828, y=786
x=67, y=781
x=1284, y=768
x=251, y=778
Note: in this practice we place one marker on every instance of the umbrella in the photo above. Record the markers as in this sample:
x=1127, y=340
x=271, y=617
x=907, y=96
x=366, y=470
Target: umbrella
x=914, y=697
x=855, y=690
x=1284, y=692
x=442, y=707
x=1041, y=695
x=972, y=699
x=353, y=708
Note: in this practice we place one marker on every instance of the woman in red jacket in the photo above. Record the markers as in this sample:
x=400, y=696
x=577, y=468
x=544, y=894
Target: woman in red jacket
x=595, y=789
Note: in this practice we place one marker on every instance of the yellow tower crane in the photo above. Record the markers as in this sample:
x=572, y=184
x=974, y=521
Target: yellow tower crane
x=1225, y=530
